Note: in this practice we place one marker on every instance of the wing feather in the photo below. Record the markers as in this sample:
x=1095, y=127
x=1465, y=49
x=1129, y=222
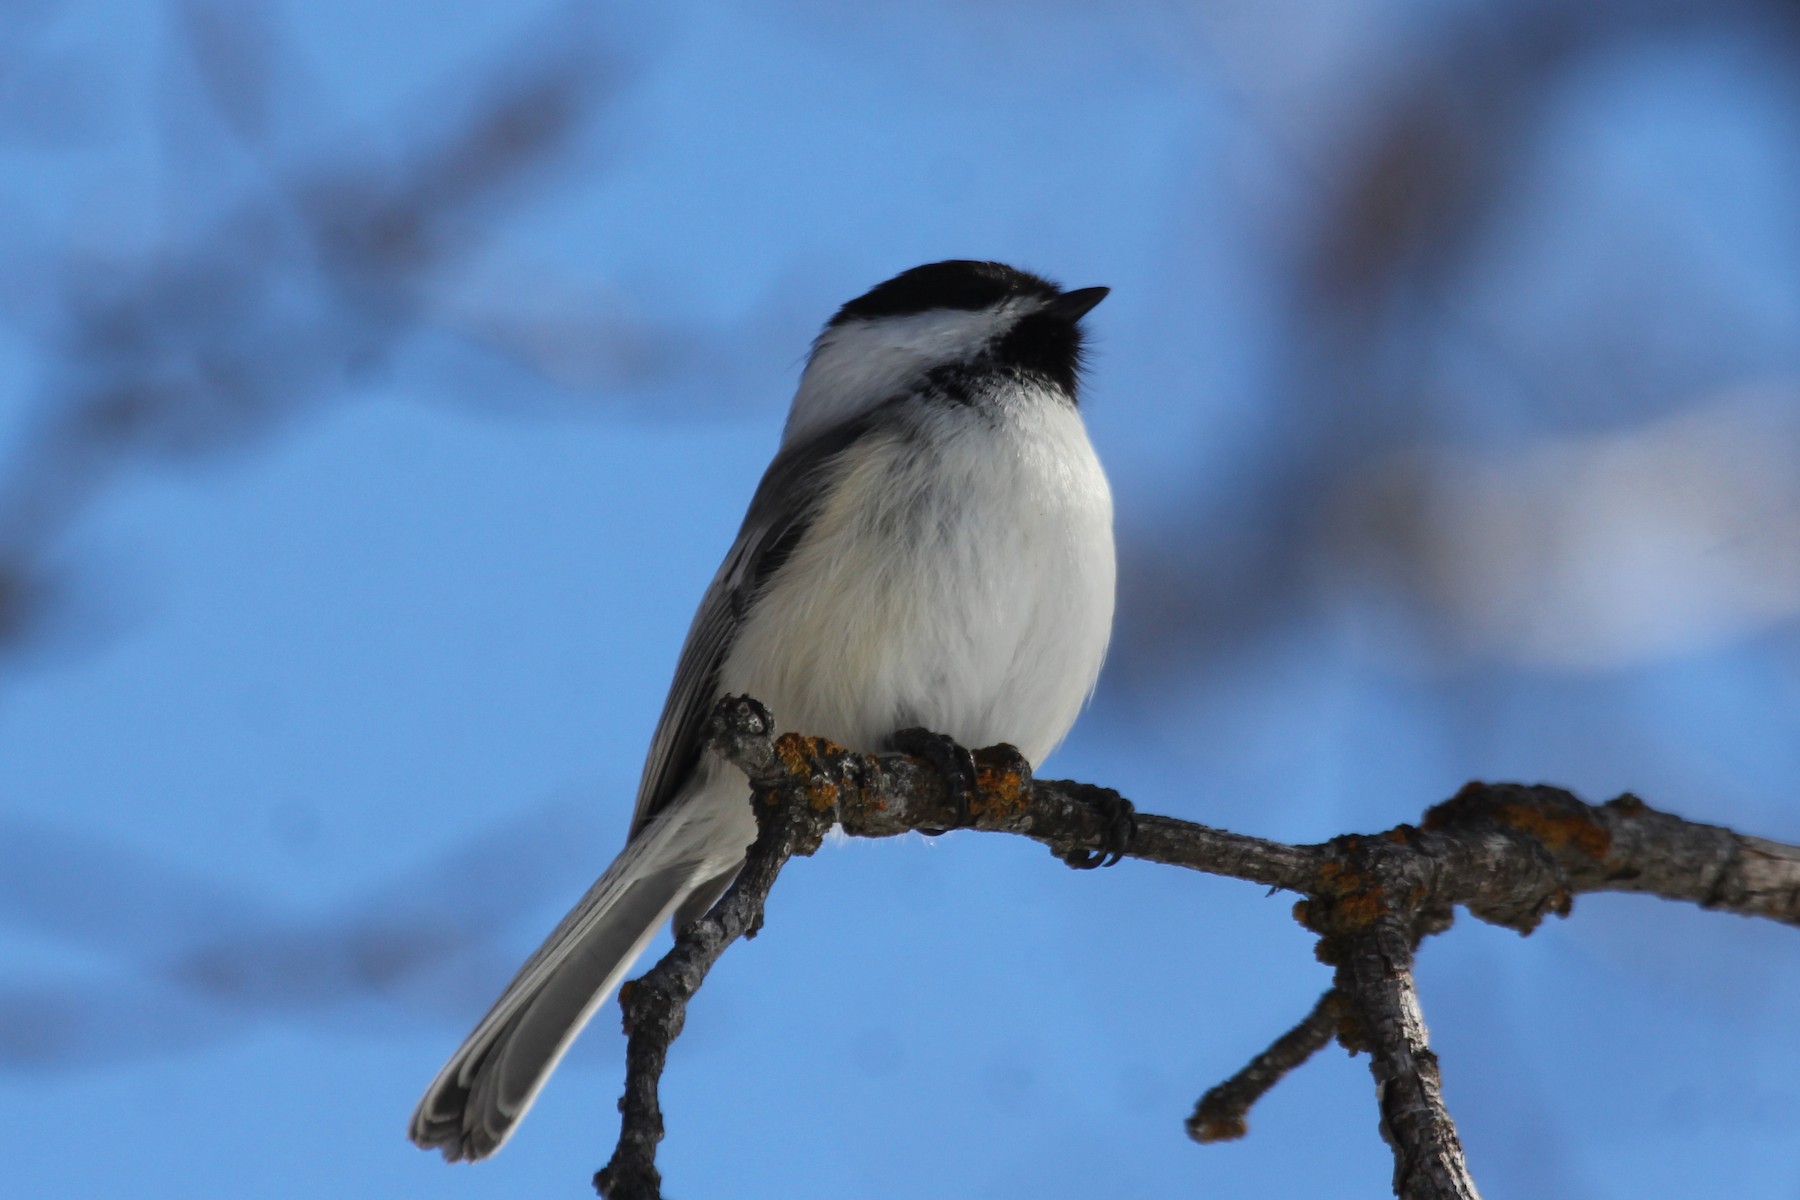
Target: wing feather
x=786, y=501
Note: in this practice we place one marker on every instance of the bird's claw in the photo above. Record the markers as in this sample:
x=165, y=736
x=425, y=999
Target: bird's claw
x=953, y=760
x=1118, y=836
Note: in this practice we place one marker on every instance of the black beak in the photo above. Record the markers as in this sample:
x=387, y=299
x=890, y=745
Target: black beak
x=1072, y=306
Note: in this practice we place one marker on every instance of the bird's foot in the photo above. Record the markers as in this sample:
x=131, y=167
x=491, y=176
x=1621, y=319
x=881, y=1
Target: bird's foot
x=953, y=760
x=1116, y=838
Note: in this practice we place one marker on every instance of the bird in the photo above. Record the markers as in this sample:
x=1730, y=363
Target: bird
x=927, y=562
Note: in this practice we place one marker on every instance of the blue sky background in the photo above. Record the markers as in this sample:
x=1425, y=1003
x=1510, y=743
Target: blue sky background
x=1448, y=388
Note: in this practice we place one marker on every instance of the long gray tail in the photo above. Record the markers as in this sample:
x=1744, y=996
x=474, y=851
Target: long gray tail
x=471, y=1107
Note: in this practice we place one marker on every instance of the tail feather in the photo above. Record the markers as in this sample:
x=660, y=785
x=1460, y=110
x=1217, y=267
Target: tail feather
x=471, y=1107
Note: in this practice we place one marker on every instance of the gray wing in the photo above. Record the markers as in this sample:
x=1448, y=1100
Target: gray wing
x=782, y=510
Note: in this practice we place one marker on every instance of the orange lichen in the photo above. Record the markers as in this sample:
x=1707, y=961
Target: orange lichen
x=1554, y=818
x=792, y=750
x=1576, y=828
x=1344, y=897
x=1359, y=908
x=804, y=759
x=1335, y=876
x=799, y=753
x=1001, y=792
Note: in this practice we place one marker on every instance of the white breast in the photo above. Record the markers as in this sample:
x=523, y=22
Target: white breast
x=960, y=577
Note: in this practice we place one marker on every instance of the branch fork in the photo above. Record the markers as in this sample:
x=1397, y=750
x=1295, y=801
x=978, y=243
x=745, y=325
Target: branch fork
x=1510, y=854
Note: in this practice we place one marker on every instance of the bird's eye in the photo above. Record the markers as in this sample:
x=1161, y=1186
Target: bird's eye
x=1042, y=344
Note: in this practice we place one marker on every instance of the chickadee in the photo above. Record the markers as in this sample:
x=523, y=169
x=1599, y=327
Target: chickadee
x=931, y=548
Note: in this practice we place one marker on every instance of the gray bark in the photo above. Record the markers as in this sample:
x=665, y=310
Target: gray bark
x=1509, y=854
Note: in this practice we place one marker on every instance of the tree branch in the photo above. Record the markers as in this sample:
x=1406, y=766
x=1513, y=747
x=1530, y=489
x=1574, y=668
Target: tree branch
x=1509, y=853
x=655, y=1004
x=1377, y=975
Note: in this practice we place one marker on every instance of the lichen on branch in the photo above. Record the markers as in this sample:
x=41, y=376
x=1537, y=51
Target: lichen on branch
x=1509, y=854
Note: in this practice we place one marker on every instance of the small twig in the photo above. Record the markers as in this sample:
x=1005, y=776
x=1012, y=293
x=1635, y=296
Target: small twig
x=1222, y=1114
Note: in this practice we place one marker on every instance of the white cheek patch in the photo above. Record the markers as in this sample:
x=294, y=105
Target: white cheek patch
x=861, y=363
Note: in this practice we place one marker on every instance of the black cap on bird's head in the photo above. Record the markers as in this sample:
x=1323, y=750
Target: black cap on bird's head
x=1043, y=338
x=967, y=284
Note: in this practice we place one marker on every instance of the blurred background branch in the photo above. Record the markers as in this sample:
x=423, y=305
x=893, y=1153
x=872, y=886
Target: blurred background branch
x=1423, y=348
x=277, y=288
